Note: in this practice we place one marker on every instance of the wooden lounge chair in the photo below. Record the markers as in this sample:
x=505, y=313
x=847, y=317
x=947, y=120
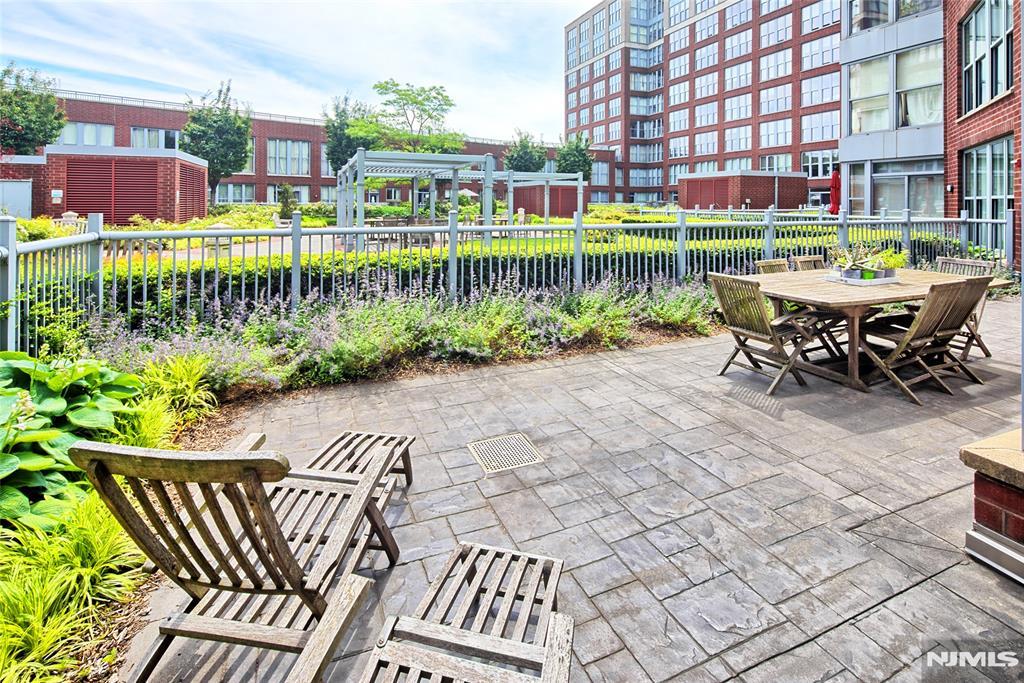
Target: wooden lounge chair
x=775, y=265
x=809, y=262
x=267, y=554
x=488, y=617
x=743, y=307
x=969, y=336
x=910, y=343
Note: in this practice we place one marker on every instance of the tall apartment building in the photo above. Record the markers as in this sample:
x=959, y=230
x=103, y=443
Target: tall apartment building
x=692, y=87
x=892, y=147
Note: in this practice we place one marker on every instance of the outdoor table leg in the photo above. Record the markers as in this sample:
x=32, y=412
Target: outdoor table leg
x=853, y=318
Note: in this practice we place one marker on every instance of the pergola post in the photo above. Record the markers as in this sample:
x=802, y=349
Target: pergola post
x=360, y=196
x=487, y=199
x=338, y=195
x=511, y=195
x=547, y=202
x=579, y=193
x=455, y=192
x=414, y=199
x=433, y=198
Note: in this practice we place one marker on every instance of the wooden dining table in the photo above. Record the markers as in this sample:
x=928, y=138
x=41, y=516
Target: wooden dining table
x=810, y=288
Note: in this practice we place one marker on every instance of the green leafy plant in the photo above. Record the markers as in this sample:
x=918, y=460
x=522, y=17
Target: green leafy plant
x=181, y=380
x=44, y=409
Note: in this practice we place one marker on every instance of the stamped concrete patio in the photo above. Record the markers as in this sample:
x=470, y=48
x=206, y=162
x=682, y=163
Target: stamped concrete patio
x=709, y=532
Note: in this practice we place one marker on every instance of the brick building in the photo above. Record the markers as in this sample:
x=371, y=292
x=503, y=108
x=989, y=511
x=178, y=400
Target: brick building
x=689, y=87
x=982, y=107
x=285, y=149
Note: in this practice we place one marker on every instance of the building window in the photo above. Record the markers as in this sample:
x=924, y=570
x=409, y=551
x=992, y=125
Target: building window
x=615, y=107
x=705, y=115
x=154, y=138
x=644, y=82
x=820, y=164
x=919, y=86
x=818, y=53
x=858, y=195
x=570, y=120
x=986, y=52
x=597, y=135
x=392, y=194
x=705, y=143
x=777, y=163
x=769, y=6
x=909, y=7
x=738, y=14
x=778, y=133
x=643, y=106
x=738, y=107
x=599, y=69
x=705, y=86
x=705, y=167
x=570, y=80
x=678, y=11
x=570, y=100
x=325, y=165
x=737, y=139
x=679, y=148
x=988, y=179
x=646, y=154
x=584, y=94
x=819, y=90
x=676, y=171
x=615, y=60
x=287, y=157
x=706, y=28
x=738, y=76
x=250, y=162
x=737, y=164
x=819, y=15
x=739, y=44
x=236, y=193
x=615, y=83
x=615, y=130
x=776, y=65
x=597, y=112
x=678, y=93
x=869, y=96
x=645, y=177
x=598, y=89
x=599, y=173
x=776, y=31
x=774, y=100
x=899, y=185
x=300, y=192
x=585, y=116
x=679, y=40
x=89, y=134
x=705, y=57
x=819, y=127
x=678, y=66
x=678, y=120
x=646, y=130
x=329, y=193
x=645, y=59
x=865, y=14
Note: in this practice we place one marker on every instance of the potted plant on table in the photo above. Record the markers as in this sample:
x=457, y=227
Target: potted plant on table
x=892, y=260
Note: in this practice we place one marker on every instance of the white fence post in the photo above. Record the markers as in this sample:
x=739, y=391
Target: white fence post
x=577, y=249
x=296, y=279
x=453, y=252
x=681, y=265
x=844, y=230
x=8, y=283
x=94, y=259
x=769, y=234
x=905, y=236
x=1008, y=239
x=964, y=241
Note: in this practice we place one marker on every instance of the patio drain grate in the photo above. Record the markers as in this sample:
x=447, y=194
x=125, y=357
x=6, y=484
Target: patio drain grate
x=505, y=452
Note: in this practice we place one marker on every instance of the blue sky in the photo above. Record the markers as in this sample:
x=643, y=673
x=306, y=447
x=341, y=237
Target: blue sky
x=500, y=60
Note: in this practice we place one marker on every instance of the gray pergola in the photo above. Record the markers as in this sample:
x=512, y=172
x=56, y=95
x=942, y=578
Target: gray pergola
x=454, y=168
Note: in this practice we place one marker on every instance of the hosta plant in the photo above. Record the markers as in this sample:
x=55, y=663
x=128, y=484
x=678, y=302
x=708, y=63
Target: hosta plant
x=44, y=409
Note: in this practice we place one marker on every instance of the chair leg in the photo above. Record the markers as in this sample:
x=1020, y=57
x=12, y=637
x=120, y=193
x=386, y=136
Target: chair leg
x=407, y=466
x=887, y=371
x=383, y=532
x=789, y=367
x=729, y=360
x=938, y=380
x=964, y=369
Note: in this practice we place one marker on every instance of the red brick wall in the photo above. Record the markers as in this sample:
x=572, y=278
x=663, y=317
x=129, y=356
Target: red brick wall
x=999, y=507
x=735, y=190
x=995, y=120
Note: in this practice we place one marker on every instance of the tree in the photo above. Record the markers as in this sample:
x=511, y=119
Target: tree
x=220, y=133
x=574, y=156
x=286, y=195
x=524, y=154
x=345, y=130
x=411, y=119
x=30, y=116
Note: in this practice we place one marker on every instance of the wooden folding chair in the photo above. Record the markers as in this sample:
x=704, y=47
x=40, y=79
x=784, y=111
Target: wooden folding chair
x=743, y=307
x=488, y=617
x=969, y=336
x=267, y=554
x=809, y=262
x=775, y=265
x=910, y=343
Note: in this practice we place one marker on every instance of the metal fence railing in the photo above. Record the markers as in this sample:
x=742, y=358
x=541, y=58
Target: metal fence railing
x=170, y=275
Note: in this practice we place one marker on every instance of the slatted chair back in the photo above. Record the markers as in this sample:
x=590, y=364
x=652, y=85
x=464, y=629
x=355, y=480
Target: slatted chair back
x=203, y=518
x=743, y=306
x=775, y=265
x=964, y=266
x=936, y=306
x=971, y=294
x=814, y=262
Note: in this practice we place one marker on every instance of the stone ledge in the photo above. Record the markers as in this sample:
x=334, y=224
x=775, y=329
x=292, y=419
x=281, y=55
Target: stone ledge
x=998, y=457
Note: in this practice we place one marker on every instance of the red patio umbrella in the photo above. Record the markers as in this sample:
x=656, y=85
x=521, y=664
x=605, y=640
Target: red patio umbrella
x=835, y=193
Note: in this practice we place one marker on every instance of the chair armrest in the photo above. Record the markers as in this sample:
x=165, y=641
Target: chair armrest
x=558, y=649
x=803, y=314
x=342, y=610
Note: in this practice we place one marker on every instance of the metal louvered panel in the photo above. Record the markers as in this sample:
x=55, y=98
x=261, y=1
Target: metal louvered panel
x=90, y=186
x=135, y=189
x=191, y=193
x=505, y=452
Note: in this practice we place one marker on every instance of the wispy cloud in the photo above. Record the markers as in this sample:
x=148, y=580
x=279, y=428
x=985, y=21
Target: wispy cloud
x=500, y=60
